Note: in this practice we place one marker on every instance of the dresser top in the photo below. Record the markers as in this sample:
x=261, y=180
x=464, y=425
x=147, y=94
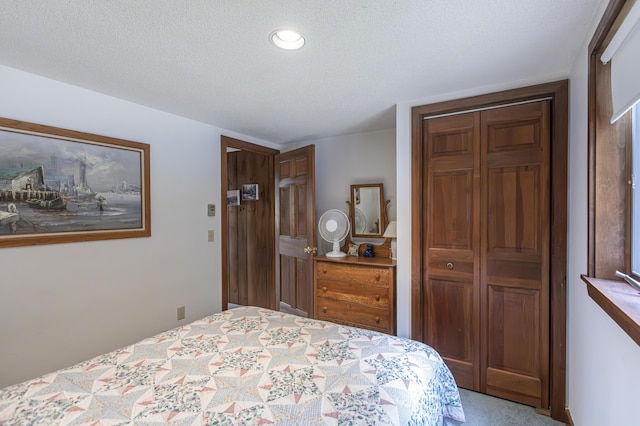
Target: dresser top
x=358, y=260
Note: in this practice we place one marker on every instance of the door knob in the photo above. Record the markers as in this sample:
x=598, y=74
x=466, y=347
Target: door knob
x=309, y=250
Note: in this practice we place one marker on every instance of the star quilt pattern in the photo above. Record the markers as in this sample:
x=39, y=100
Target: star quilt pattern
x=247, y=366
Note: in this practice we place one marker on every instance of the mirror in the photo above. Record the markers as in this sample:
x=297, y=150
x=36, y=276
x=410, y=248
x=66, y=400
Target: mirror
x=367, y=214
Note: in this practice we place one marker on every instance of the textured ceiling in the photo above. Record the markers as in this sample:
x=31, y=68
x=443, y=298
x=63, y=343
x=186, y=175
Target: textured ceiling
x=210, y=60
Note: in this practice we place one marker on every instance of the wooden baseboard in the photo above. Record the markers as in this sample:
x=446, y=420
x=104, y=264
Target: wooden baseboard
x=567, y=416
x=543, y=412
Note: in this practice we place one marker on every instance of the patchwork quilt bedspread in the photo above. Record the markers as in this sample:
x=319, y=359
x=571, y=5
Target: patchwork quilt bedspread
x=247, y=366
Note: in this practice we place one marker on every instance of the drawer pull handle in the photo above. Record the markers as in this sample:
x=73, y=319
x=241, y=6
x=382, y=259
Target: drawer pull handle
x=377, y=298
x=449, y=265
x=324, y=309
x=324, y=289
x=377, y=320
x=378, y=277
x=324, y=271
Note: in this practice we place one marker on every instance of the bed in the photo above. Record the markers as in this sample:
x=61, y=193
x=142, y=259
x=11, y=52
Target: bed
x=247, y=366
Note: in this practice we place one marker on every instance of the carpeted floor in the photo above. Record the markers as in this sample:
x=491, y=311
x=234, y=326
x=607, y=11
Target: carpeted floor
x=484, y=410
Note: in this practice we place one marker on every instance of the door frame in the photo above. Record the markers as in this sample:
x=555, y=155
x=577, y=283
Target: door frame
x=557, y=92
x=228, y=142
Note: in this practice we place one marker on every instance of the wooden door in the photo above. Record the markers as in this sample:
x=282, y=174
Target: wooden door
x=452, y=242
x=258, y=227
x=295, y=222
x=504, y=365
x=250, y=231
x=486, y=250
x=515, y=253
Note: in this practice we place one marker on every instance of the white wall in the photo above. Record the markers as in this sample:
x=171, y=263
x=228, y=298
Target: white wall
x=119, y=291
x=603, y=362
x=352, y=159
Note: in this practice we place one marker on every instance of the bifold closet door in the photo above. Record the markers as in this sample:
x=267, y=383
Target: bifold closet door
x=486, y=217
x=452, y=243
x=515, y=253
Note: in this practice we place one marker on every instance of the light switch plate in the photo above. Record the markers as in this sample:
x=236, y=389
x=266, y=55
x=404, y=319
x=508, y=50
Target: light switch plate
x=210, y=235
x=211, y=209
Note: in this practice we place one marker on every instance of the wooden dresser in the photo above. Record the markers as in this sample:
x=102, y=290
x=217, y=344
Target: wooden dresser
x=356, y=291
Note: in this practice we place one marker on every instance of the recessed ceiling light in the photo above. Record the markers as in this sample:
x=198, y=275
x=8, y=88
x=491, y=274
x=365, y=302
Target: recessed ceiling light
x=287, y=39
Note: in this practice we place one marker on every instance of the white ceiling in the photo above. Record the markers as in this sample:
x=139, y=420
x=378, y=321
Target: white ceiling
x=210, y=60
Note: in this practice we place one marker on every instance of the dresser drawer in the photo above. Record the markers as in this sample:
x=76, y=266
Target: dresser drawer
x=353, y=274
x=353, y=293
x=353, y=314
x=358, y=292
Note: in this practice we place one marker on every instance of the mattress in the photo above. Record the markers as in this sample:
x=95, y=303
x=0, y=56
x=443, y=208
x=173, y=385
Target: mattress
x=249, y=366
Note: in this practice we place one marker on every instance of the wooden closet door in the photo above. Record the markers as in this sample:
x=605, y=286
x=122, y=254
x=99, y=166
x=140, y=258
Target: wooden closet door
x=515, y=253
x=451, y=216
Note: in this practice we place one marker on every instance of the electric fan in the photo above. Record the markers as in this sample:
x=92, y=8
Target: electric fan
x=334, y=227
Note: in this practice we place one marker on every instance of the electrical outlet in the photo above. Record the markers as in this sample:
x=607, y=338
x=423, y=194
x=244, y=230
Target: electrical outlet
x=181, y=313
x=210, y=235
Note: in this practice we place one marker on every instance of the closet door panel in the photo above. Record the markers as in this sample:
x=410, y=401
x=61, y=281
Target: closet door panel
x=513, y=202
x=451, y=216
x=513, y=361
x=514, y=128
x=515, y=253
x=451, y=208
x=451, y=328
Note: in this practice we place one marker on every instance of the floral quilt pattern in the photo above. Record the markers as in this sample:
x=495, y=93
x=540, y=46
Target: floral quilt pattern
x=247, y=366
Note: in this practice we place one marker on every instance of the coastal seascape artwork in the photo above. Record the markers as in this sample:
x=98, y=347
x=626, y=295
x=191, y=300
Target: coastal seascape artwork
x=59, y=185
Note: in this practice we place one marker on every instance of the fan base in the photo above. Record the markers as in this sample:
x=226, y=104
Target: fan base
x=336, y=254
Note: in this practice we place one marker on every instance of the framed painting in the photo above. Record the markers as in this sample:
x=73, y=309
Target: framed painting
x=59, y=186
x=233, y=197
x=250, y=192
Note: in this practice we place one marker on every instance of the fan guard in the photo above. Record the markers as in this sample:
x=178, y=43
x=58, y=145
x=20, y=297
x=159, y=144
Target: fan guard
x=333, y=227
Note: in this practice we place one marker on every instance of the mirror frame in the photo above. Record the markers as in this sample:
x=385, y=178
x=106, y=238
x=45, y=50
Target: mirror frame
x=382, y=215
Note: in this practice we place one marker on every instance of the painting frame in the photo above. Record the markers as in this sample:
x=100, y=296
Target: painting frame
x=19, y=133
x=250, y=192
x=233, y=197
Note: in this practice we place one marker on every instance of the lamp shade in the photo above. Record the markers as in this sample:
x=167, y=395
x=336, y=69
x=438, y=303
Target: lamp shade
x=390, y=232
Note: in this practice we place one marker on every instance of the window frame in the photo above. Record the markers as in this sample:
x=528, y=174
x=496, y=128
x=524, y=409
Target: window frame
x=634, y=193
x=609, y=167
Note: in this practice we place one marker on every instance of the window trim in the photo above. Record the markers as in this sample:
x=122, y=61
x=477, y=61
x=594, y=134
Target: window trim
x=633, y=155
x=605, y=253
x=619, y=300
